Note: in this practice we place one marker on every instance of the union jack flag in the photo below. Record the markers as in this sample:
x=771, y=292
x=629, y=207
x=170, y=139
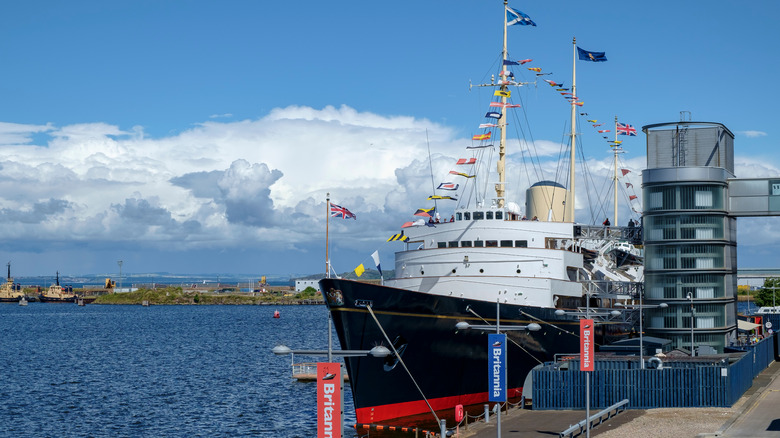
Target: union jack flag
x=339, y=211
x=625, y=129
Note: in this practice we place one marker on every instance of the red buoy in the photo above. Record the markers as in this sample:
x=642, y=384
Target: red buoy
x=276, y=314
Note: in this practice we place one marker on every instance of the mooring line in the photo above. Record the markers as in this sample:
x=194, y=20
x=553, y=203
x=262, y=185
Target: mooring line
x=510, y=339
x=371, y=311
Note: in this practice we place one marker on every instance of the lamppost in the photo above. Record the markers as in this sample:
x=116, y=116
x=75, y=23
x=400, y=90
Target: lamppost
x=120, y=275
x=693, y=310
x=379, y=351
x=605, y=316
x=641, y=307
x=463, y=325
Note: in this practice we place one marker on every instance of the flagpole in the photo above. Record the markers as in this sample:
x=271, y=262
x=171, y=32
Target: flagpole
x=500, y=165
x=614, y=149
x=327, y=232
x=570, y=201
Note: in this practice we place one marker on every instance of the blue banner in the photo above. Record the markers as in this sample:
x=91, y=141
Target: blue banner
x=497, y=369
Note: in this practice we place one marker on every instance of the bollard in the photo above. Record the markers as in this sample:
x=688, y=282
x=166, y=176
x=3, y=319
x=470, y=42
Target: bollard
x=443, y=428
x=487, y=414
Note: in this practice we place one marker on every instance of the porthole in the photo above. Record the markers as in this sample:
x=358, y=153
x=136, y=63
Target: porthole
x=518, y=271
x=481, y=271
x=422, y=272
x=453, y=270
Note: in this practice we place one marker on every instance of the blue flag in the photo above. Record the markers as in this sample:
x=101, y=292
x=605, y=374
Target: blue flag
x=493, y=114
x=584, y=55
x=513, y=16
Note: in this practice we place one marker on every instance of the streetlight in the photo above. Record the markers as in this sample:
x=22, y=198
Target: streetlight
x=605, y=316
x=463, y=325
x=693, y=310
x=641, y=307
x=378, y=351
x=120, y=275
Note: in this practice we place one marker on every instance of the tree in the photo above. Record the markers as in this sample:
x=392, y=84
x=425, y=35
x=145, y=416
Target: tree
x=769, y=294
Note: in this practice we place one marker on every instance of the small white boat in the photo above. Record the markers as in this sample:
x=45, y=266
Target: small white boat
x=763, y=310
x=23, y=301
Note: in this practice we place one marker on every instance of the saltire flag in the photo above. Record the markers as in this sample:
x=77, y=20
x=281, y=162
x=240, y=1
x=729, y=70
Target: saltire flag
x=338, y=211
x=482, y=136
x=625, y=171
x=536, y=69
x=465, y=175
x=360, y=270
x=632, y=197
x=482, y=146
x=447, y=186
x=375, y=256
x=513, y=16
x=629, y=185
x=467, y=161
x=625, y=129
x=488, y=125
x=400, y=236
x=585, y=55
x=427, y=212
x=451, y=198
x=601, y=131
x=493, y=114
x=507, y=73
x=502, y=93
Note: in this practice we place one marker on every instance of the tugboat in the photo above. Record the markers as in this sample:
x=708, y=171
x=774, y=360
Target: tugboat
x=487, y=265
x=10, y=292
x=57, y=293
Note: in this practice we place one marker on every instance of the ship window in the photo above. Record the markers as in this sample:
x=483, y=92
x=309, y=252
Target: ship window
x=521, y=243
x=478, y=215
x=466, y=244
x=478, y=243
x=499, y=215
x=453, y=244
x=442, y=244
x=489, y=215
x=507, y=243
x=491, y=243
x=467, y=216
x=458, y=216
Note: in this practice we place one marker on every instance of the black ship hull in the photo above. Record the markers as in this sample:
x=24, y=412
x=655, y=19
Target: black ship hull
x=450, y=366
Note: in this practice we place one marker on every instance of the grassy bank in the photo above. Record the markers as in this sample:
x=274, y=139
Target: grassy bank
x=175, y=295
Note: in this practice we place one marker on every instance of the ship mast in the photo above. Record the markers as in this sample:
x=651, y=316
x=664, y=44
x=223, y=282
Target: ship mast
x=615, y=150
x=501, y=164
x=569, y=215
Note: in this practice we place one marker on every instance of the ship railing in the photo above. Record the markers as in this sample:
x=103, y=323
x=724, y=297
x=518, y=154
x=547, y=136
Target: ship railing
x=633, y=235
x=612, y=289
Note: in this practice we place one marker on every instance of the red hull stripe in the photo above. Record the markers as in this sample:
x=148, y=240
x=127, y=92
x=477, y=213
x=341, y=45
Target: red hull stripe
x=382, y=413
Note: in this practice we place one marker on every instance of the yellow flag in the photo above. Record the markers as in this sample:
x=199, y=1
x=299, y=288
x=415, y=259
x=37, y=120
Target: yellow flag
x=360, y=270
x=502, y=93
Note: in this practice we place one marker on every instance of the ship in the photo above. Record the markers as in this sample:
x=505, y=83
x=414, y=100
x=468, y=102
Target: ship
x=489, y=265
x=62, y=294
x=10, y=291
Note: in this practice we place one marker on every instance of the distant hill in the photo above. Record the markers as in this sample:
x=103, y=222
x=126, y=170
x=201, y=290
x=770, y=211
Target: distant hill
x=370, y=274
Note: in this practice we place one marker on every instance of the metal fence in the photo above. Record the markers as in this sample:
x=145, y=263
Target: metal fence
x=678, y=384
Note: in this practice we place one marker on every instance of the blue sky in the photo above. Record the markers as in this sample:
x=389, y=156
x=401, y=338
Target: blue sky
x=196, y=136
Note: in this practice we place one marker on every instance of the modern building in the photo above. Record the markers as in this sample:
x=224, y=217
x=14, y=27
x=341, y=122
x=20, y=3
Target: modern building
x=301, y=285
x=692, y=200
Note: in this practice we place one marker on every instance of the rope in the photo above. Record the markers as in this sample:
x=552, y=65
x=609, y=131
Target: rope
x=510, y=339
x=400, y=359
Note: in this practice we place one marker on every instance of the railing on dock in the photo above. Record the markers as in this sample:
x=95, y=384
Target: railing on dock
x=595, y=419
x=677, y=384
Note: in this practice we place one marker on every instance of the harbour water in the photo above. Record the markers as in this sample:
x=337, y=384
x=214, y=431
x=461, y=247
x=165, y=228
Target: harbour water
x=100, y=371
